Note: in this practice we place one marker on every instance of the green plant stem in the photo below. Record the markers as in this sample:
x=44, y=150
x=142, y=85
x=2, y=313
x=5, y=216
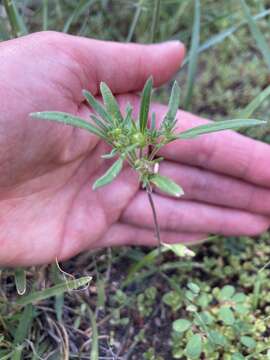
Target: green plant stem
x=151, y=201
x=45, y=15
x=15, y=20
x=135, y=21
x=155, y=20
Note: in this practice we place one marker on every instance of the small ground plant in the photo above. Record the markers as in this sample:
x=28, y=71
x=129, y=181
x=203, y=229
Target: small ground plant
x=138, y=142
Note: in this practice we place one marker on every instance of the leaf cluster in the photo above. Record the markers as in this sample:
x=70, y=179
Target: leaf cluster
x=138, y=141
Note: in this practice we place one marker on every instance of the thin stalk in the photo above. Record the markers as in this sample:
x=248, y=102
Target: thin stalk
x=155, y=20
x=45, y=15
x=15, y=20
x=152, y=204
x=135, y=20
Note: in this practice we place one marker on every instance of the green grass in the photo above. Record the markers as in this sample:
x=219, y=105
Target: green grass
x=129, y=307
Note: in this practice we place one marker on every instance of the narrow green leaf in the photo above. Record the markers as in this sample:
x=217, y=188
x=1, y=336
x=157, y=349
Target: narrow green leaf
x=255, y=103
x=17, y=353
x=179, y=249
x=146, y=261
x=45, y=15
x=95, y=105
x=226, y=315
x=248, y=342
x=94, y=355
x=194, y=347
x=20, y=280
x=68, y=119
x=79, y=10
x=15, y=19
x=218, y=126
x=193, y=55
x=26, y=320
x=173, y=106
x=110, y=174
x=128, y=117
x=218, y=38
x=54, y=291
x=145, y=104
x=110, y=102
x=103, y=127
x=256, y=33
x=153, y=121
x=135, y=20
x=166, y=185
x=109, y=155
x=155, y=20
x=181, y=325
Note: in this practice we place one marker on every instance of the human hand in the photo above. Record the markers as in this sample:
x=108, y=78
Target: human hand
x=47, y=207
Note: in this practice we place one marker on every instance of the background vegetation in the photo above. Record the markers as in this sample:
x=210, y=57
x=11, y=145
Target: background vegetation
x=215, y=306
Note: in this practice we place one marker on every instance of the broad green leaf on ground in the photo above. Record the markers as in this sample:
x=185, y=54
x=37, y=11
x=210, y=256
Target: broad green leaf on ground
x=226, y=293
x=68, y=119
x=166, y=185
x=145, y=103
x=248, y=342
x=181, y=325
x=218, y=126
x=194, y=347
x=110, y=174
x=226, y=315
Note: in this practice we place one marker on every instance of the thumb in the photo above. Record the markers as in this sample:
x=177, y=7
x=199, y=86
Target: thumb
x=125, y=67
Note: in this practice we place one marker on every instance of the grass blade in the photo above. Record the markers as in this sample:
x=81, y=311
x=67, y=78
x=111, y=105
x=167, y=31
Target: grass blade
x=110, y=174
x=255, y=103
x=145, y=103
x=54, y=291
x=195, y=42
x=25, y=323
x=155, y=20
x=94, y=355
x=95, y=105
x=135, y=20
x=17, y=353
x=80, y=9
x=68, y=119
x=218, y=126
x=218, y=38
x=257, y=34
x=45, y=15
x=20, y=280
x=16, y=21
x=110, y=102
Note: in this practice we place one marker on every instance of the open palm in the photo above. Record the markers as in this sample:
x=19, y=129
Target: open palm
x=47, y=206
